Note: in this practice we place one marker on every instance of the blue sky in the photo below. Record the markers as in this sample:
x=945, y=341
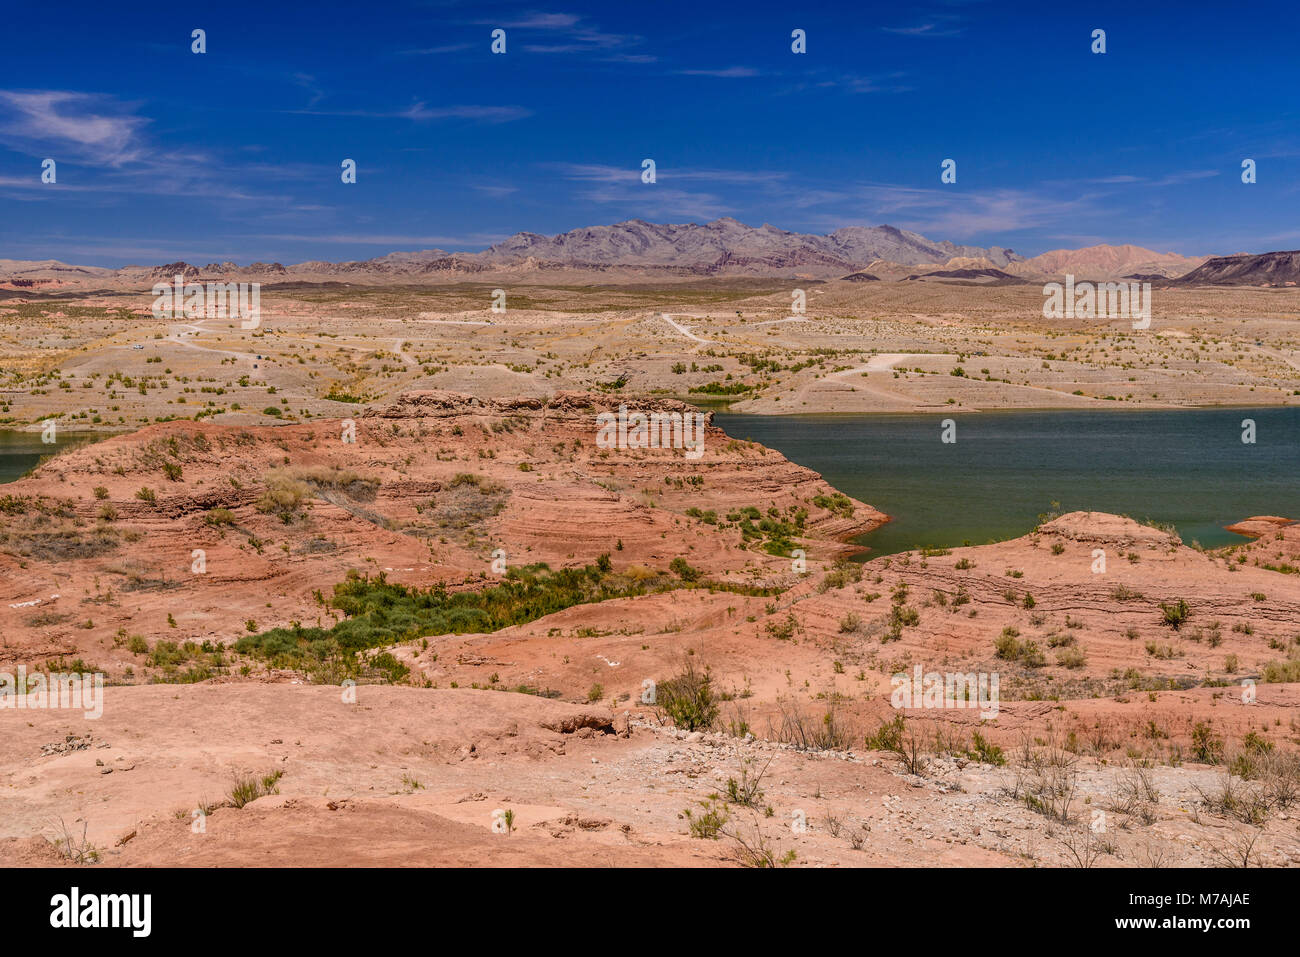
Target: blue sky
x=235, y=154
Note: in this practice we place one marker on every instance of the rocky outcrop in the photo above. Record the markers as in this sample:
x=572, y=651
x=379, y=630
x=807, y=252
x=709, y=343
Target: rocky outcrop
x=1103, y=527
x=1264, y=269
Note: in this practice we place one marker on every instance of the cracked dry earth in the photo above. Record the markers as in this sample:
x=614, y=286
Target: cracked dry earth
x=1112, y=745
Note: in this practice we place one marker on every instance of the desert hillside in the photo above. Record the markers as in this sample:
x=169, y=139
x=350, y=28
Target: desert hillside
x=342, y=652
x=1107, y=262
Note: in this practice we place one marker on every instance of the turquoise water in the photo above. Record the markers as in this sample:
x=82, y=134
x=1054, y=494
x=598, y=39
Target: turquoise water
x=21, y=451
x=1187, y=467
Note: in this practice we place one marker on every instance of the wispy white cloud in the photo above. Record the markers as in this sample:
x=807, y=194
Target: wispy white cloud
x=615, y=186
x=960, y=215
x=542, y=21
x=486, y=114
x=389, y=240
x=308, y=83
x=597, y=172
x=1176, y=178
x=572, y=33
x=581, y=44
x=437, y=51
x=33, y=182
x=90, y=128
x=668, y=196
x=807, y=198
x=422, y=112
x=103, y=154
x=1185, y=176
x=884, y=83
x=655, y=202
x=944, y=28
x=742, y=177
x=856, y=83
x=731, y=72
x=775, y=190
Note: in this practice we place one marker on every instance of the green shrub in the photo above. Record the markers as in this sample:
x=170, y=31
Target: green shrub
x=985, y=752
x=388, y=668
x=1071, y=658
x=841, y=574
x=688, y=699
x=903, y=616
x=220, y=516
x=249, y=788
x=784, y=629
x=707, y=824
x=1008, y=648
x=682, y=569
x=1175, y=615
x=1281, y=672
x=1206, y=745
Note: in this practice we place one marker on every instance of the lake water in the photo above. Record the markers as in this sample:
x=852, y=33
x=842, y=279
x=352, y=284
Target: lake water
x=21, y=451
x=1188, y=467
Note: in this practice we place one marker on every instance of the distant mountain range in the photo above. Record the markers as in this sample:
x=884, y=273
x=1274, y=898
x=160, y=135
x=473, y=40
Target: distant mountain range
x=723, y=247
x=638, y=250
x=1264, y=269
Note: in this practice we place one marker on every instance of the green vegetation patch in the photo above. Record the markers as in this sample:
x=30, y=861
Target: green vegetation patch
x=378, y=613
